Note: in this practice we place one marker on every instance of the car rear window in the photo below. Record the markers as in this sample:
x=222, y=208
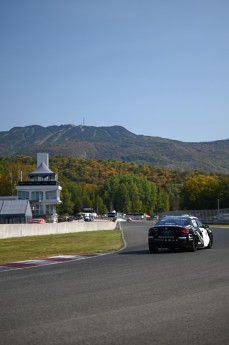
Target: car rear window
x=174, y=221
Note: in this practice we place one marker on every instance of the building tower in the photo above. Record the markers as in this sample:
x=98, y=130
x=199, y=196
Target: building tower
x=42, y=189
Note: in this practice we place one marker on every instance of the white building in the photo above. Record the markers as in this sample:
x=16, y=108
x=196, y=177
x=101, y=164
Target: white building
x=42, y=189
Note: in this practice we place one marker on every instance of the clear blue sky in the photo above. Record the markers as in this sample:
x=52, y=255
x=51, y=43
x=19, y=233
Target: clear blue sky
x=155, y=67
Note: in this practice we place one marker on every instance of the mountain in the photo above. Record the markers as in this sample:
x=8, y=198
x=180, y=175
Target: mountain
x=115, y=143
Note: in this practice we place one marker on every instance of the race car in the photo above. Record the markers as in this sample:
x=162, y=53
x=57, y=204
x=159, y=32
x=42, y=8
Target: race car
x=179, y=232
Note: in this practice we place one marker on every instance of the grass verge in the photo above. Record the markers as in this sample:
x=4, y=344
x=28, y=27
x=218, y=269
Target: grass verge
x=35, y=247
x=218, y=225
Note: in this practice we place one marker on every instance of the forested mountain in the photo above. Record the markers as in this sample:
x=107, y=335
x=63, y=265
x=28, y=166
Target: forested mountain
x=115, y=143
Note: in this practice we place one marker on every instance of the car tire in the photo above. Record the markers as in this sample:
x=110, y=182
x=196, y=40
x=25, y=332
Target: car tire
x=194, y=246
x=210, y=244
x=153, y=250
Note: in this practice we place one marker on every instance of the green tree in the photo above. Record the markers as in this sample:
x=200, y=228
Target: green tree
x=100, y=207
x=162, y=201
x=129, y=193
x=67, y=206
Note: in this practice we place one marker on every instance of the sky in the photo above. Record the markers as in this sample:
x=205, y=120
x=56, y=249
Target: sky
x=155, y=67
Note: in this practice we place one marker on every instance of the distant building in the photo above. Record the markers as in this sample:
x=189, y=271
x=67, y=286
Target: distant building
x=14, y=211
x=42, y=189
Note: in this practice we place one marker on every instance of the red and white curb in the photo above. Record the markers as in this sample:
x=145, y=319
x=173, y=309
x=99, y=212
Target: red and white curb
x=44, y=261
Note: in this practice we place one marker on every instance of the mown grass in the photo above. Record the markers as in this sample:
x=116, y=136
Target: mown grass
x=35, y=247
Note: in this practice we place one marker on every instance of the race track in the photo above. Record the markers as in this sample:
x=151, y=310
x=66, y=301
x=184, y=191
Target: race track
x=129, y=298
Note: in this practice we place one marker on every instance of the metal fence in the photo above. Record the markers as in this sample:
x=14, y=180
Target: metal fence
x=217, y=216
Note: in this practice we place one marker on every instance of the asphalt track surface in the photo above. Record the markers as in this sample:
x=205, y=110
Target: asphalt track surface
x=129, y=297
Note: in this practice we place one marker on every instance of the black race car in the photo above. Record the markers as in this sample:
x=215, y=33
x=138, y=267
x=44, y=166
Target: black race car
x=184, y=232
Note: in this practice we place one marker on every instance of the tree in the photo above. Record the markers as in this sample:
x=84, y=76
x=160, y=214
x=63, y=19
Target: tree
x=129, y=193
x=200, y=191
x=100, y=207
x=162, y=201
x=66, y=208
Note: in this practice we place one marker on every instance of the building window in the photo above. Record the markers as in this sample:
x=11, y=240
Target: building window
x=51, y=195
x=38, y=196
x=22, y=195
x=50, y=209
x=38, y=209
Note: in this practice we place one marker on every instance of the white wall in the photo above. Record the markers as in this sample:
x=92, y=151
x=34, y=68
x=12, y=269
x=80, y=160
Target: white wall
x=20, y=230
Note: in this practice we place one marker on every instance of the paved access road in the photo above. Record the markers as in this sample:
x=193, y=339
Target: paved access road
x=127, y=298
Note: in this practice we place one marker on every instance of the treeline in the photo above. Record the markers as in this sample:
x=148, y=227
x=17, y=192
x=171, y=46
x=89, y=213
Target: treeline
x=126, y=187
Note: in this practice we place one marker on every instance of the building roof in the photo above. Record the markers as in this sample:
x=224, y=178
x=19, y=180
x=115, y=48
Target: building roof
x=42, y=171
x=15, y=207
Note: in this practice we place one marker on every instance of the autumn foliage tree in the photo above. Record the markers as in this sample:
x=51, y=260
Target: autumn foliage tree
x=201, y=191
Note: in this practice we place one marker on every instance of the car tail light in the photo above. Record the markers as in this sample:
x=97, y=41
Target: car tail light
x=152, y=231
x=183, y=231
